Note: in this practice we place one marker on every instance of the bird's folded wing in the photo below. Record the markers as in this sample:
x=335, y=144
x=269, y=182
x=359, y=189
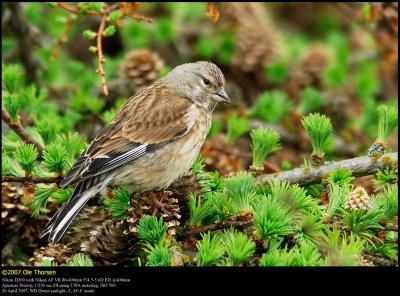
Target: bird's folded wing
x=145, y=123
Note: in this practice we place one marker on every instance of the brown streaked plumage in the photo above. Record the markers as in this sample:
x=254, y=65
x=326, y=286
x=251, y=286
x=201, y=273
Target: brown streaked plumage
x=153, y=139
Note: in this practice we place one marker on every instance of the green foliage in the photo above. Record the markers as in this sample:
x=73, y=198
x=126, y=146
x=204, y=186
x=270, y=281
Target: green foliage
x=62, y=195
x=55, y=158
x=164, y=31
x=73, y=143
x=340, y=176
x=361, y=223
x=92, y=49
x=383, y=178
x=388, y=121
x=164, y=72
x=40, y=199
x=236, y=127
x=211, y=181
x=240, y=188
x=389, y=250
x=114, y=16
x=238, y=247
x=119, y=205
x=141, y=33
x=198, y=165
x=219, y=47
x=264, y=143
x=310, y=228
x=48, y=128
x=89, y=34
x=48, y=263
x=108, y=116
x=271, y=106
x=314, y=190
x=271, y=219
x=390, y=201
x=32, y=101
x=12, y=105
x=11, y=77
x=342, y=251
x=337, y=197
x=216, y=128
x=286, y=165
x=369, y=116
x=6, y=164
x=347, y=252
x=318, y=128
x=307, y=255
x=276, y=257
x=9, y=167
x=109, y=31
x=34, y=133
x=310, y=99
x=335, y=75
x=152, y=230
x=223, y=206
x=277, y=72
x=367, y=80
x=159, y=256
x=26, y=156
x=292, y=197
x=80, y=260
x=199, y=210
x=210, y=251
x=95, y=6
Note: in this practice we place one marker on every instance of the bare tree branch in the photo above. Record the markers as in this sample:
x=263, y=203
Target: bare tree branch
x=360, y=166
x=19, y=129
x=44, y=180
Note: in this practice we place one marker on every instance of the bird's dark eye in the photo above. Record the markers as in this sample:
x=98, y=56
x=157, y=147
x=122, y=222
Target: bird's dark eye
x=206, y=81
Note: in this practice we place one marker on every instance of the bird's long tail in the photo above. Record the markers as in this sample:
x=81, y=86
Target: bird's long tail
x=59, y=223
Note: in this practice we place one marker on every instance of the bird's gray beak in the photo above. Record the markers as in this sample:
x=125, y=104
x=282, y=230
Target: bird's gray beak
x=222, y=96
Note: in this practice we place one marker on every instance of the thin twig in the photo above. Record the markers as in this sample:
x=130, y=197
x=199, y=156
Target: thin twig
x=141, y=18
x=44, y=180
x=271, y=167
x=19, y=130
x=360, y=166
x=74, y=10
x=62, y=39
x=100, y=69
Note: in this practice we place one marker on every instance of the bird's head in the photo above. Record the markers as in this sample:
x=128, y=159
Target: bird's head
x=202, y=82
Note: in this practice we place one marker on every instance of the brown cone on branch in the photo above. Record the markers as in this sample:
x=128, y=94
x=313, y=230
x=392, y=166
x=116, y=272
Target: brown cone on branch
x=57, y=253
x=154, y=203
x=142, y=67
x=16, y=217
x=111, y=243
x=240, y=13
x=309, y=70
x=85, y=223
x=185, y=185
x=255, y=47
x=358, y=200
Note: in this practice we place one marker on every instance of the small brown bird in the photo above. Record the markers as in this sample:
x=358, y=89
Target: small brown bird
x=153, y=139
